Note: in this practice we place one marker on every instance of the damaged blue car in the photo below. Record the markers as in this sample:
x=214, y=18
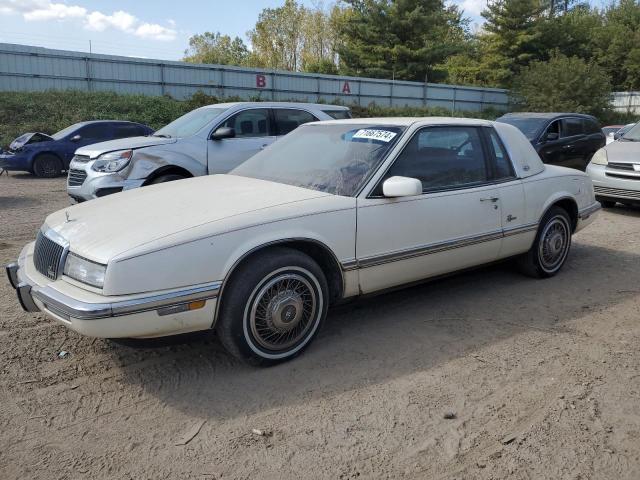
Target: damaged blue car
x=47, y=156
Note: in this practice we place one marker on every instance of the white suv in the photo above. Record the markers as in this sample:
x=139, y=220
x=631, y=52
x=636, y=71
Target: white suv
x=208, y=140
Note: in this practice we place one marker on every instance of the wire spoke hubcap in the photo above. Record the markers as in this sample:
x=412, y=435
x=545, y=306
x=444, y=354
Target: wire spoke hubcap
x=283, y=311
x=554, y=243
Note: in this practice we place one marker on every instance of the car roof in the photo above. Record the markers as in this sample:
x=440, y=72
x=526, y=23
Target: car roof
x=319, y=106
x=94, y=122
x=546, y=115
x=407, y=121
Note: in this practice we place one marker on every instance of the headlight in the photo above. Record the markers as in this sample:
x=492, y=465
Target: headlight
x=600, y=157
x=84, y=270
x=112, y=161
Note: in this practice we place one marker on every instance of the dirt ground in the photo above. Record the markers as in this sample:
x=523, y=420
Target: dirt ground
x=543, y=378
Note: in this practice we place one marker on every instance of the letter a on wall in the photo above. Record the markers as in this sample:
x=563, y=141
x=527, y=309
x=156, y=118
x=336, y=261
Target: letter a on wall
x=261, y=81
x=346, y=88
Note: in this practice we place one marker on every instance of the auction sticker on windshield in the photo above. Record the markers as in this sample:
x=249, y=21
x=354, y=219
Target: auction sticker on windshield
x=374, y=134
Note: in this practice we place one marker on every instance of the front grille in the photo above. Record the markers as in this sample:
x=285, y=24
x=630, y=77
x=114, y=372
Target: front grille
x=81, y=158
x=76, y=177
x=616, y=192
x=47, y=256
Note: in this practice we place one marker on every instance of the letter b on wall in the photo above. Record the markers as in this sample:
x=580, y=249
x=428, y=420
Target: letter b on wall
x=261, y=81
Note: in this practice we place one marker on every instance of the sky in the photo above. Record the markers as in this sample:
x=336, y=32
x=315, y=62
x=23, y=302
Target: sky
x=142, y=28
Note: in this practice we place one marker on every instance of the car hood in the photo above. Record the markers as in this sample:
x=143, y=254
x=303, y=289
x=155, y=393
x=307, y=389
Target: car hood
x=135, y=221
x=623, y=152
x=97, y=149
x=30, y=137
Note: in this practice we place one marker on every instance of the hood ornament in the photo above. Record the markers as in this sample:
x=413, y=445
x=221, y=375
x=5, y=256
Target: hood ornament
x=69, y=219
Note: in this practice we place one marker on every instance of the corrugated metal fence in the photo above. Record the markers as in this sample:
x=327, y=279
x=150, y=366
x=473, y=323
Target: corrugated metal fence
x=25, y=68
x=627, y=102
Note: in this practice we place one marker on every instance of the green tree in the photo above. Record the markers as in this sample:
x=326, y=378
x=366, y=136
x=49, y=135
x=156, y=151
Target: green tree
x=510, y=37
x=277, y=38
x=562, y=84
x=402, y=39
x=211, y=47
x=617, y=44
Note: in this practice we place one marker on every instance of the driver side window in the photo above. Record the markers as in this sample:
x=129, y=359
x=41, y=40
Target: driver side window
x=250, y=123
x=443, y=158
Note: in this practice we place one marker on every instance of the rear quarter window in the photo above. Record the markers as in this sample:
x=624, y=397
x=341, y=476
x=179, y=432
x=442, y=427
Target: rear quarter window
x=338, y=114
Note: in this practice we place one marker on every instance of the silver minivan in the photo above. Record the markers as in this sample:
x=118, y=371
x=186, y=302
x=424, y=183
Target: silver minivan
x=205, y=141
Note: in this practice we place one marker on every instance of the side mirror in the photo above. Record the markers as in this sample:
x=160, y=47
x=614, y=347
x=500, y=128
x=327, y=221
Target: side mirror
x=223, y=132
x=401, y=187
x=75, y=138
x=551, y=137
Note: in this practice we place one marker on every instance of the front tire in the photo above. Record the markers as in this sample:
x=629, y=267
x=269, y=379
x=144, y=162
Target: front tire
x=273, y=307
x=47, y=166
x=166, y=178
x=550, y=247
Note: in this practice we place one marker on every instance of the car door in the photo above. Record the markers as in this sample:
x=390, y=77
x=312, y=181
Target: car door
x=577, y=145
x=288, y=119
x=595, y=138
x=253, y=132
x=551, y=147
x=454, y=224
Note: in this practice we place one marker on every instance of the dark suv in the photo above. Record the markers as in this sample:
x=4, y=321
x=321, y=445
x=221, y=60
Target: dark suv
x=566, y=139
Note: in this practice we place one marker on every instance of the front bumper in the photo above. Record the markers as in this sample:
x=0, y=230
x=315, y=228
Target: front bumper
x=135, y=316
x=96, y=184
x=614, y=188
x=14, y=162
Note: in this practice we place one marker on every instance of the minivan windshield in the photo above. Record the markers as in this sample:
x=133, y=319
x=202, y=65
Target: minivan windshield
x=190, y=123
x=529, y=126
x=336, y=159
x=632, y=134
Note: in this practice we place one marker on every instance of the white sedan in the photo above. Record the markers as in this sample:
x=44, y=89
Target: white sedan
x=333, y=210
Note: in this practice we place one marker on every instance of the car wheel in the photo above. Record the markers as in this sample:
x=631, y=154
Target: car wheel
x=47, y=166
x=166, y=178
x=551, y=246
x=273, y=307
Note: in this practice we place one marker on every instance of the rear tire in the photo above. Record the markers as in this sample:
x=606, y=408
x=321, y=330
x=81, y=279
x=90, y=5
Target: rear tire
x=273, y=307
x=550, y=247
x=47, y=166
x=170, y=177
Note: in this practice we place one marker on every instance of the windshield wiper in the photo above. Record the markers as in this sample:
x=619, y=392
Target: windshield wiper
x=161, y=135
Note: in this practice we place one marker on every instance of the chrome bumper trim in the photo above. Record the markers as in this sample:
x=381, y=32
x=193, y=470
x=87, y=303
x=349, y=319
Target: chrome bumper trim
x=68, y=307
x=588, y=211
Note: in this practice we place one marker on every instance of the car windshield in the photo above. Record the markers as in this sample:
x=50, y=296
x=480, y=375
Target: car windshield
x=189, y=124
x=529, y=126
x=65, y=131
x=336, y=159
x=630, y=132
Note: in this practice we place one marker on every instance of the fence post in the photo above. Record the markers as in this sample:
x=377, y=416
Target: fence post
x=87, y=65
x=161, y=65
x=424, y=95
x=453, y=107
x=222, y=70
x=391, y=93
x=274, y=75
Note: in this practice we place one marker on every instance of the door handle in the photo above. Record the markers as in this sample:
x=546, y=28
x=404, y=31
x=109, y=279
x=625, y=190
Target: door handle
x=490, y=199
x=264, y=146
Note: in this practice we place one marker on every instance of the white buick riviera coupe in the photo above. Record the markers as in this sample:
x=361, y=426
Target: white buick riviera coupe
x=333, y=210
